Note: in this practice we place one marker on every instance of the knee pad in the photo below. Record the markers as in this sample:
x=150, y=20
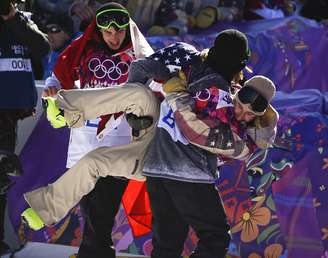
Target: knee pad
x=10, y=164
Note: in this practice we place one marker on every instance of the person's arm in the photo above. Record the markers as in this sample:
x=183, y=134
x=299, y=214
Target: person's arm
x=163, y=64
x=144, y=69
x=28, y=33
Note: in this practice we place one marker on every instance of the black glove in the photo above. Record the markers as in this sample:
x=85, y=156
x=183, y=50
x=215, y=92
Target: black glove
x=139, y=122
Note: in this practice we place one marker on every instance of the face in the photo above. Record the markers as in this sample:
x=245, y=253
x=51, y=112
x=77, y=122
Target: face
x=113, y=38
x=57, y=38
x=242, y=113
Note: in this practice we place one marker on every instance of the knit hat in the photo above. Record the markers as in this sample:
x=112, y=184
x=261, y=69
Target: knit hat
x=229, y=53
x=258, y=93
x=65, y=22
x=263, y=85
x=110, y=5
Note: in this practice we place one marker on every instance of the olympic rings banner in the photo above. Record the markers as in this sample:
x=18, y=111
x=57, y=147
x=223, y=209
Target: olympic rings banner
x=290, y=219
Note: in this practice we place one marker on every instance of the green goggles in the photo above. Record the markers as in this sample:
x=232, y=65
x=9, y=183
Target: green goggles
x=118, y=18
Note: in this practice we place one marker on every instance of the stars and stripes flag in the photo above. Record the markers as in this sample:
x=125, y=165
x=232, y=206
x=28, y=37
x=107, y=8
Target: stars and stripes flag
x=176, y=55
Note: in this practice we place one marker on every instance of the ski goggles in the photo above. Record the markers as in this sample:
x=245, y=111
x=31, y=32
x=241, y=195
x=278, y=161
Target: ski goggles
x=117, y=17
x=252, y=101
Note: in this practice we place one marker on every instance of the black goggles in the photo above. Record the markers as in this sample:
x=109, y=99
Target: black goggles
x=249, y=96
x=107, y=18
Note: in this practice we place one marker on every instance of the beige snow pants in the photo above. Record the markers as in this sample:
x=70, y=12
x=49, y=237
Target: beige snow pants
x=54, y=201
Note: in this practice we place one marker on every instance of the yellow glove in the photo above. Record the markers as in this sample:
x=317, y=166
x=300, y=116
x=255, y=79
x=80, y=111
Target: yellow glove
x=206, y=17
x=269, y=119
x=176, y=84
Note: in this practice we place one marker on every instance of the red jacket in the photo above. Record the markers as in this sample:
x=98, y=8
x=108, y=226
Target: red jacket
x=135, y=199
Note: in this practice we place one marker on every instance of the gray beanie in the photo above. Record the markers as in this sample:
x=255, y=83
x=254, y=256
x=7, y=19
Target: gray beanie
x=263, y=85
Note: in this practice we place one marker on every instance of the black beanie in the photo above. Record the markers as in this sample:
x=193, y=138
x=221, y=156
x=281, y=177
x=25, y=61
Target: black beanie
x=65, y=22
x=229, y=53
x=110, y=5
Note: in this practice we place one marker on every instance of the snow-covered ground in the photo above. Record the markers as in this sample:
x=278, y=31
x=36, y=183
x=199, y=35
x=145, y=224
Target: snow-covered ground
x=42, y=250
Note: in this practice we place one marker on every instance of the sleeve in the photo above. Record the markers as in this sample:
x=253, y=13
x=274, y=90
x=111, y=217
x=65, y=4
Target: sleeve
x=144, y=69
x=28, y=33
x=212, y=135
x=163, y=63
x=65, y=68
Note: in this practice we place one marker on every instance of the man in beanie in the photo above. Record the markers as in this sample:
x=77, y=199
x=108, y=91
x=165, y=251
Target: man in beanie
x=111, y=40
x=60, y=31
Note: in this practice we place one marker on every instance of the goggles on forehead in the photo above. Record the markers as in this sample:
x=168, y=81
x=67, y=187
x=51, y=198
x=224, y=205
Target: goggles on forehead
x=107, y=18
x=251, y=100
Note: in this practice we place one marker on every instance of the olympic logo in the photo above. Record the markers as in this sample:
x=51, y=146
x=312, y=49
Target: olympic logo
x=203, y=95
x=109, y=68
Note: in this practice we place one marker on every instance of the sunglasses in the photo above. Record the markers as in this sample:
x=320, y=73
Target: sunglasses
x=53, y=29
x=107, y=18
x=252, y=101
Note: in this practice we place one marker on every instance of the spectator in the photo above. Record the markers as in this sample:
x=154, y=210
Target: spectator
x=179, y=17
x=43, y=9
x=316, y=10
x=20, y=41
x=60, y=31
x=83, y=11
x=268, y=9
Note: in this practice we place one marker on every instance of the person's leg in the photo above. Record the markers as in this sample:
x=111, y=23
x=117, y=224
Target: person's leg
x=99, y=209
x=8, y=125
x=54, y=201
x=169, y=228
x=81, y=105
x=201, y=207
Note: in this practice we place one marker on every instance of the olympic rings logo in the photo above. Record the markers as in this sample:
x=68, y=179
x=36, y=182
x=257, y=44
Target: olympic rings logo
x=109, y=68
x=203, y=95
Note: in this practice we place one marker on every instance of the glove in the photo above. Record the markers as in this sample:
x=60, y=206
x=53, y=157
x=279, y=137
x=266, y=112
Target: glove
x=176, y=84
x=139, y=122
x=54, y=115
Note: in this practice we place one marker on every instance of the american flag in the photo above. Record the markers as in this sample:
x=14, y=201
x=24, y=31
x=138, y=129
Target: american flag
x=176, y=56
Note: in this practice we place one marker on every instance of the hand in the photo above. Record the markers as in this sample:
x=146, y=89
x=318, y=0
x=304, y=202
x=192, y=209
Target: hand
x=176, y=84
x=11, y=14
x=83, y=11
x=139, y=122
x=55, y=115
x=51, y=91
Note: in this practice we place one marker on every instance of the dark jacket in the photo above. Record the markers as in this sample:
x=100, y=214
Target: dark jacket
x=20, y=42
x=170, y=155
